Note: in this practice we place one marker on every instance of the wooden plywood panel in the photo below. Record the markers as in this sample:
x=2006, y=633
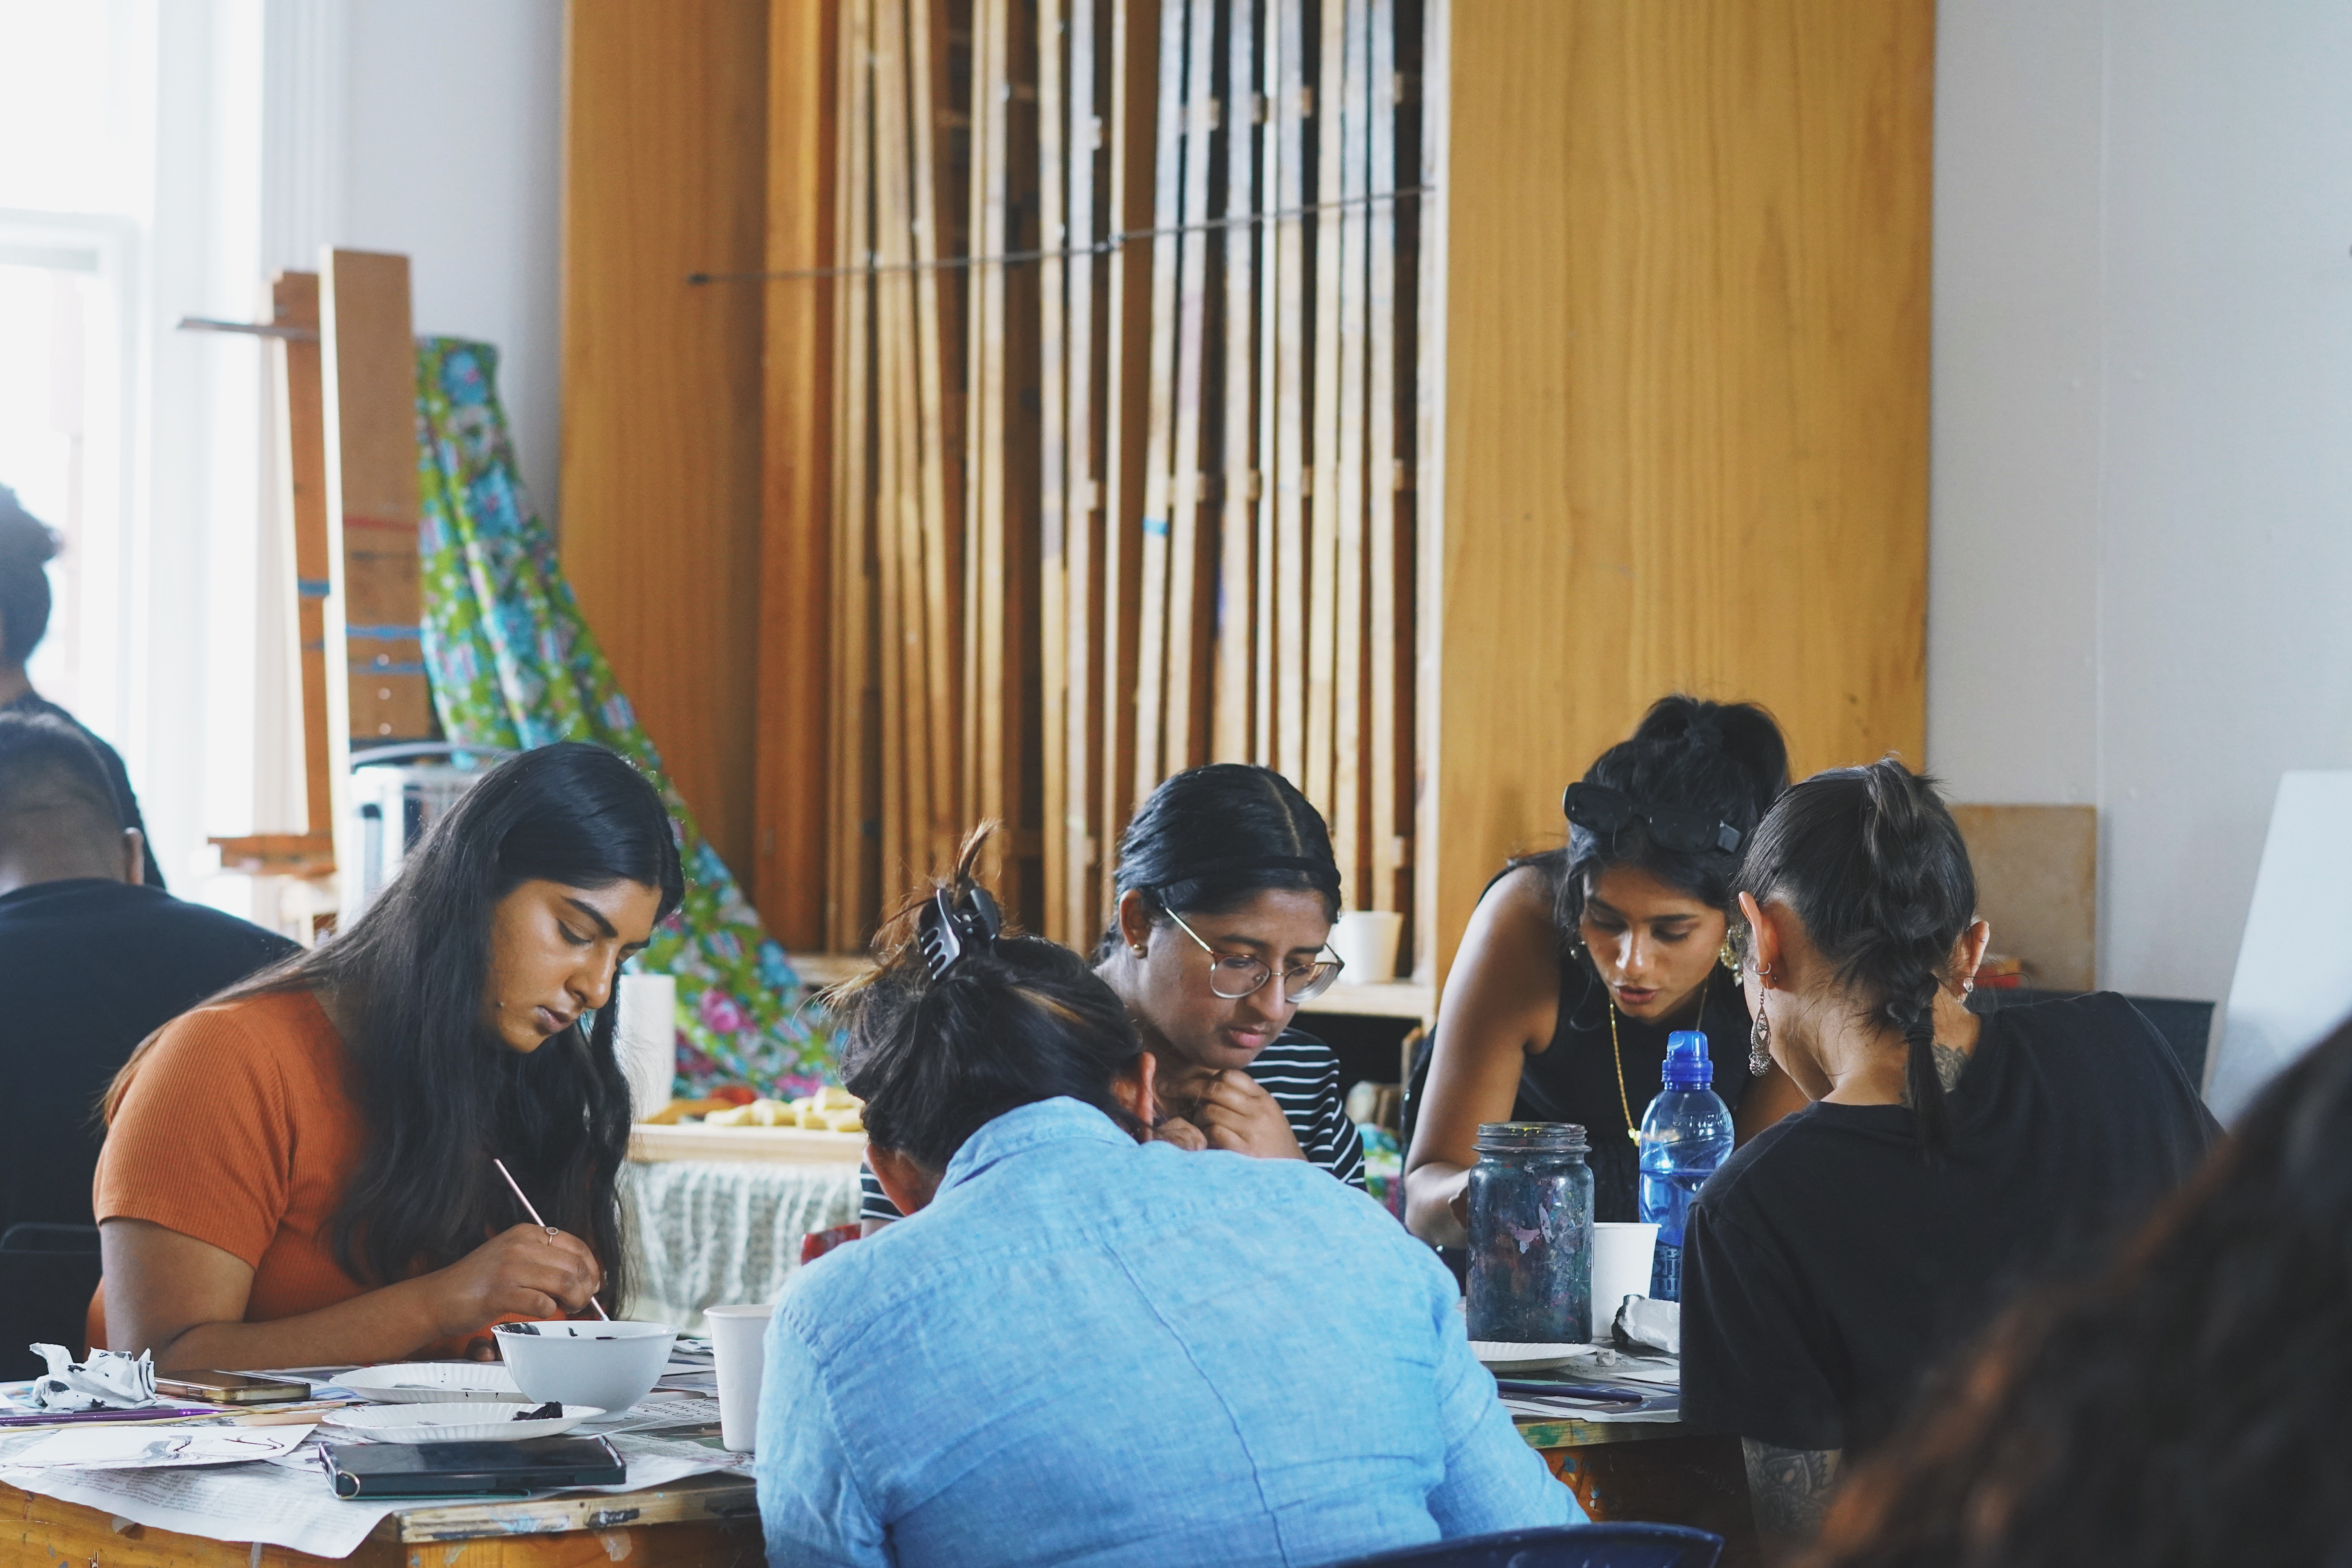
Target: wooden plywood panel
x=666, y=145
x=1686, y=330
x=2037, y=871
x=369, y=358
x=788, y=867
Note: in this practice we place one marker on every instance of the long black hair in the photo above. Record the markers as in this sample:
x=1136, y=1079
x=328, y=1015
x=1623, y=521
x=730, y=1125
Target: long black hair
x=2184, y=1407
x=1875, y=866
x=1016, y=1020
x=1726, y=759
x=1210, y=838
x=26, y=546
x=438, y=1096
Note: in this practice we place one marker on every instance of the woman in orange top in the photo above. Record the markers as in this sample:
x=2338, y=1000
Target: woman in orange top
x=299, y=1172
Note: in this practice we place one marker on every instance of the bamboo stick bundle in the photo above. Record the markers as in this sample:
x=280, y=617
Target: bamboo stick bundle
x=1348, y=664
x=847, y=904
x=1235, y=624
x=1151, y=630
x=940, y=646
x=1388, y=829
x=1074, y=826
x=1323, y=559
x=1054, y=418
x=1289, y=465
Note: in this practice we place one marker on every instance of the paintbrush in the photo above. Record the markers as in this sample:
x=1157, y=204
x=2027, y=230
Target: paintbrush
x=543, y=1225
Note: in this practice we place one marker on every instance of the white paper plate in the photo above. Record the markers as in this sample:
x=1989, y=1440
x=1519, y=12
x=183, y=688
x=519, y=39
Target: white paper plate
x=435, y=1383
x=464, y=1422
x=1500, y=1356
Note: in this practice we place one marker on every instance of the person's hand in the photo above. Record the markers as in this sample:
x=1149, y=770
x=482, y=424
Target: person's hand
x=1183, y=1134
x=525, y=1272
x=1237, y=1114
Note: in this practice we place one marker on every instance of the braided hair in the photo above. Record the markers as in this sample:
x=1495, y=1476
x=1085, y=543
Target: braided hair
x=1875, y=866
x=1725, y=759
x=938, y=1046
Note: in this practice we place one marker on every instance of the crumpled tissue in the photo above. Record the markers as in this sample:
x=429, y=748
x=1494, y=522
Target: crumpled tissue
x=1656, y=1324
x=110, y=1380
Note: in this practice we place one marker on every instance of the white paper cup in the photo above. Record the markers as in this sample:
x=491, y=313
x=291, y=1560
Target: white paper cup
x=1366, y=942
x=646, y=1040
x=1621, y=1254
x=739, y=1349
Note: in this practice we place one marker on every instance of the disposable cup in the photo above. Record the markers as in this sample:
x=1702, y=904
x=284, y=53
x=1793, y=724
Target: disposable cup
x=1366, y=942
x=1621, y=1251
x=739, y=1349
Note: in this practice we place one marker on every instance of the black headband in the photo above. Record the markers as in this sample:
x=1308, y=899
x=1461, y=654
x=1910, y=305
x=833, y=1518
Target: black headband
x=1322, y=873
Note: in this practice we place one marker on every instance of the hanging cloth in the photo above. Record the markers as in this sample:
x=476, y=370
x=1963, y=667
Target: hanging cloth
x=513, y=665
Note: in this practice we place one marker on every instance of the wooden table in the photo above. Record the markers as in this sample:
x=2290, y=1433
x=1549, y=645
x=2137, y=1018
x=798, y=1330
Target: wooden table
x=703, y=1521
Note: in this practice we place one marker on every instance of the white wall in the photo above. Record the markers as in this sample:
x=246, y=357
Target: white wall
x=2141, y=504
x=452, y=141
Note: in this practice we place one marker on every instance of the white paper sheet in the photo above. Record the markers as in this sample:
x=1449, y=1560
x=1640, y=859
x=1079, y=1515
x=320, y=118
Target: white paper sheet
x=143, y=1448
x=650, y=1413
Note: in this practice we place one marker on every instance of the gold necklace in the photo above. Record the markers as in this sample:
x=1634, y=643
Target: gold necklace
x=1624, y=1103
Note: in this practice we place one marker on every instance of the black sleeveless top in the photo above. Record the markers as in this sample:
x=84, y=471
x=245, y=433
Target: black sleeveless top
x=1575, y=1078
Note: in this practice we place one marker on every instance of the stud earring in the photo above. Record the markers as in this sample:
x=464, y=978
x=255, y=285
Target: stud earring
x=1136, y=948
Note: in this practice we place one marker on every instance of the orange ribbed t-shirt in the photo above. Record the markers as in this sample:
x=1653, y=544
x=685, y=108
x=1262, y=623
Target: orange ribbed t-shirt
x=236, y=1129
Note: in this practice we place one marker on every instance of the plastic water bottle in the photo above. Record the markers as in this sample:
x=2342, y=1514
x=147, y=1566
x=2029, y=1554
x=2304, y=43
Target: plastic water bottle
x=1685, y=1134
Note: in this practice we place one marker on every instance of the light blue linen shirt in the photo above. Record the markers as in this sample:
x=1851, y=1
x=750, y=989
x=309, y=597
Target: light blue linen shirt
x=1091, y=1351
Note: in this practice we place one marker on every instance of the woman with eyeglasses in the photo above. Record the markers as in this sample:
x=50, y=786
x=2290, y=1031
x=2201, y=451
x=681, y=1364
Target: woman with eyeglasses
x=1227, y=891
x=1579, y=962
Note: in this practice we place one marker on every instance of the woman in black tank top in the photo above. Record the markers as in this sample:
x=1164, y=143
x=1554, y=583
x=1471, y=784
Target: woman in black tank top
x=1579, y=963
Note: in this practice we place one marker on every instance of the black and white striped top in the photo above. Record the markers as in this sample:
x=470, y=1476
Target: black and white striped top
x=1302, y=1075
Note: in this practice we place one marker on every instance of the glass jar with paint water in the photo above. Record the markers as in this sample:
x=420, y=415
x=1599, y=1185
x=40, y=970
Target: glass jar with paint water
x=1530, y=1234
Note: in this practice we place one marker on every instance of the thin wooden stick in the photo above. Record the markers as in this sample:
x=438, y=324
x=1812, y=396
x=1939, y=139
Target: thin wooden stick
x=1388, y=832
x=1270, y=608
x=978, y=457
x=1348, y=681
x=903, y=804
x=1323, y=564
x=1054, y=420
x=1121, y=535
x=1290, y=461
x=1233, y=619
x=938, y=614
x=846, y=916
x=1158, y=504
x=1185, y=499
x=1075, y=827
x=988, y=280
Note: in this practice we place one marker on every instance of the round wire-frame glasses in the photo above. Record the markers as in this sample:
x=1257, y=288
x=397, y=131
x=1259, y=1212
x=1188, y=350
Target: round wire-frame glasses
x=1233, y=975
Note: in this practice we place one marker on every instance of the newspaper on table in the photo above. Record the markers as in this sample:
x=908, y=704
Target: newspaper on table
x=290, y=1502
x=144, y=1448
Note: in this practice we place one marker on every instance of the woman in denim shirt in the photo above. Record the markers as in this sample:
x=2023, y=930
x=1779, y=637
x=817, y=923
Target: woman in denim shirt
x=1009, y=1376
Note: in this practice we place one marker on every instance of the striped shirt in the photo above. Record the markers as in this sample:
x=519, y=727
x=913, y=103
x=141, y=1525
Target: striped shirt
x=1301, y=1074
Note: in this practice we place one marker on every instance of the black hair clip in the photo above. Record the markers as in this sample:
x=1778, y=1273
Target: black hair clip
x=948, y=928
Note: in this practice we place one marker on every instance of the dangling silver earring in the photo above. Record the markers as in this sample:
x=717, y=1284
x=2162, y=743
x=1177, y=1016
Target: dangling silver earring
x=1759, y=1038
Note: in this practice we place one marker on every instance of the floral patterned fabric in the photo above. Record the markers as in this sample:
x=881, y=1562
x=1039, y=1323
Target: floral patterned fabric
x=513, y=665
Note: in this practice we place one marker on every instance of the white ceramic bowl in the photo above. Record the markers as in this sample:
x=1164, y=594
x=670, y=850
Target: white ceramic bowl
x=609, y=1365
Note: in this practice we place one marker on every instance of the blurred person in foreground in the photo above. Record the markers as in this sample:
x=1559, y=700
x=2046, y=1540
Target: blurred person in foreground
x=27, y=545
x=2182, y=1409
x=1214, y=1359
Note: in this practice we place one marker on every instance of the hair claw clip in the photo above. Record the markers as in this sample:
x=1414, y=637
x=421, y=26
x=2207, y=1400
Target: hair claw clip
x=948, y=929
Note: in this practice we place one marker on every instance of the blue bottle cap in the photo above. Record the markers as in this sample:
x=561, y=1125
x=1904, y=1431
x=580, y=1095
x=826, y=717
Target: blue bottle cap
x=1687, y=1063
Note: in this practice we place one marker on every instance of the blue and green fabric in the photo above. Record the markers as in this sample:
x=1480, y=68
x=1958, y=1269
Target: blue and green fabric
x=513, y=665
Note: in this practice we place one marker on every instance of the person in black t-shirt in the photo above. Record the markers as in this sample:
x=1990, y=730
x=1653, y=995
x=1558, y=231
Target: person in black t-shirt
x=91, y=963
x=1227, y=891
x=1947, y=1160
x=26, y=547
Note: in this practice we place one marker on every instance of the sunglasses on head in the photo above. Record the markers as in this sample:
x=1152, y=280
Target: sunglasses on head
x=1599, y=809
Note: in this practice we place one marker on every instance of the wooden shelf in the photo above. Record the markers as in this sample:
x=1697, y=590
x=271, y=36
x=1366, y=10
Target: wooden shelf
x=649, y=1144
x=1391, y=999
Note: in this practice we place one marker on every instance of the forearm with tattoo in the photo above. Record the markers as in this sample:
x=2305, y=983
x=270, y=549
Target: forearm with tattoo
x=1789, y=1489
